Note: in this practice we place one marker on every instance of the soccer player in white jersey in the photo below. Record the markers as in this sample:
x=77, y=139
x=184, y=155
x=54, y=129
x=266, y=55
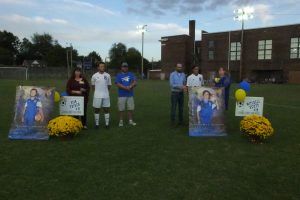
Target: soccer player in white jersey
x=101, y=83
x=195, y=79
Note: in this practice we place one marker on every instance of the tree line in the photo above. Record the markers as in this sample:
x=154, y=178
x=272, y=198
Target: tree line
x=14, y=51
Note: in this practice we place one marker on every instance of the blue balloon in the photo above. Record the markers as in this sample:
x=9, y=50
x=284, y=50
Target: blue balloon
x=63, y=94
x=245, y=86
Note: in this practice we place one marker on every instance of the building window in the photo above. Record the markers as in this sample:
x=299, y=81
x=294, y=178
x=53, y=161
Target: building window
x=211, y=44
x=295, y=48
x=235, y=51
x=211, y=55
x=265, y=50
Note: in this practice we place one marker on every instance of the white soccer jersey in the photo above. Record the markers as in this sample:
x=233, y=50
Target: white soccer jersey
x=194, y=81
x=101, y=83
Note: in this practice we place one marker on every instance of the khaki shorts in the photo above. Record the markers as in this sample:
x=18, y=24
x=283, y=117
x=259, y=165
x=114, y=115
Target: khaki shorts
x=125, y=101
x=101, y=103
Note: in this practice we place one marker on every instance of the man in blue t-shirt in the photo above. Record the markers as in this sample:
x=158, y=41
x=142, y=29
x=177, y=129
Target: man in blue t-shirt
x=125, y=82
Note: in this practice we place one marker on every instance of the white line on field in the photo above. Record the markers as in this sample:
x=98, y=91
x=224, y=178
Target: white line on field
x=282, y=106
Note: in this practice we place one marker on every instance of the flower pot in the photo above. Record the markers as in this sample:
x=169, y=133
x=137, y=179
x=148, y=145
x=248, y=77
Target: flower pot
x=255, y=140
x=67, y=137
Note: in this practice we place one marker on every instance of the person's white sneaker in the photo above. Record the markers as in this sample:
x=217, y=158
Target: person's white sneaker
x=121, y=123
x=132, y=123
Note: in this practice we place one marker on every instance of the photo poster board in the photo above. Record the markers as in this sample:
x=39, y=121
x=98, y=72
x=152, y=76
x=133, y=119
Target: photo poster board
x=251, y=106
x=71, y=105
x=33, y=108
x=206, y=111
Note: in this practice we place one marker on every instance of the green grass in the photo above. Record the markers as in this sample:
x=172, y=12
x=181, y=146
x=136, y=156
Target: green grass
x=152, y=161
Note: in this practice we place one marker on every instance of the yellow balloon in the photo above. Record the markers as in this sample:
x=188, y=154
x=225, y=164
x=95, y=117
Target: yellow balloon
x=217, y=80
x=240, y=95
x=56, y=97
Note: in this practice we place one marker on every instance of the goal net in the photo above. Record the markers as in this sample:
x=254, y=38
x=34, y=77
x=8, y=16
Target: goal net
x=17, y=73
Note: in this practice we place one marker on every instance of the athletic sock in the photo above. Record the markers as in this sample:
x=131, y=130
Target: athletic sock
x=97, y=117
x=106, y=116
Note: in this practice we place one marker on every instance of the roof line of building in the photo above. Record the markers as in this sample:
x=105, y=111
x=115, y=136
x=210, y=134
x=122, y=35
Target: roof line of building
x=175, y=36
x=205, y=32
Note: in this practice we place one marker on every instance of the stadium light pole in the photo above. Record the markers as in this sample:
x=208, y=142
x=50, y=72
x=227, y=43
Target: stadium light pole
x=67, y=62
x=243, y=14
x=71, y=55
x=142, y=29
x=71, y=49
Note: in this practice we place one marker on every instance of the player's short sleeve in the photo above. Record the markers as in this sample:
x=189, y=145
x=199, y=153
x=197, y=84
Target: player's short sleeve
x=39, y=104
x=93, y=80
x=213, y=106
x=198, y=108
x=133, y=77
x=25, y=105
x=118, y=79
x=188, y=82
x=109, y=80
x=202, y=80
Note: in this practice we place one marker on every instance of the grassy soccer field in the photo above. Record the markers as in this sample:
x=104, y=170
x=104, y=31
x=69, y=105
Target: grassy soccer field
x=152, y=161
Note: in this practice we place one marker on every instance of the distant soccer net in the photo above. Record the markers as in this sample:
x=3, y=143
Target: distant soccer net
x=17, y=73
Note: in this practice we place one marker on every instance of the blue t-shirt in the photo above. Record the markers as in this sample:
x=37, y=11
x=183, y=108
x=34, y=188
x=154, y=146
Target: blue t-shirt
x=125, y=79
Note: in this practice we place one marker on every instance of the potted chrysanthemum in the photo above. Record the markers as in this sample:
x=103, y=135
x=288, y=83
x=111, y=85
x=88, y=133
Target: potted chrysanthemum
x=64, y=126
x=257, y=128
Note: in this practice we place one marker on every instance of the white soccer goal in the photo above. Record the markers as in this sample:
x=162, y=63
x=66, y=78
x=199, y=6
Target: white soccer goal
x=14, y=73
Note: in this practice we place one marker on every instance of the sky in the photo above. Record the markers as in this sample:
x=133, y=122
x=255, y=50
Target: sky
x=94, y=25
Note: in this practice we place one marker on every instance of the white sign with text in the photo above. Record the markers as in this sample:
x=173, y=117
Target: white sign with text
x=71, y=105
x=251, y=106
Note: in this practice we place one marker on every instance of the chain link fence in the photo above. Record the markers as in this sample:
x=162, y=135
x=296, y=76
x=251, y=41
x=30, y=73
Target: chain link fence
x=35, y=73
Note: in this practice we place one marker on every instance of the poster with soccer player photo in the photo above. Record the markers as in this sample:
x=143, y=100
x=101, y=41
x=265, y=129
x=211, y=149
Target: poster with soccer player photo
x=33, y=109
x=206, y=111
